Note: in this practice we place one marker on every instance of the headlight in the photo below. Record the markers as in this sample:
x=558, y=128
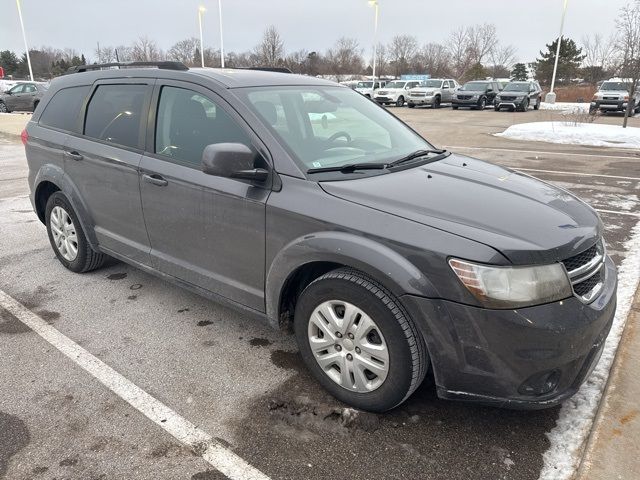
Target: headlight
x=513, y=287
x=474, y=97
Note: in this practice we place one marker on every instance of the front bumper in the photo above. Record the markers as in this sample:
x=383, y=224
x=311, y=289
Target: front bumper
x=385, y=99
x=609, y=105
x=456, y=102
x=528, y=358
x=508, y=103
x=421, y=100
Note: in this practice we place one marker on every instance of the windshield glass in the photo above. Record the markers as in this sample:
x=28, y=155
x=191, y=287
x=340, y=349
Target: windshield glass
x=331, y=126
x=475, y=86
x=395, y=85
x=614, y=86
x=516, y=87
x=364, y=85
x=432, y=84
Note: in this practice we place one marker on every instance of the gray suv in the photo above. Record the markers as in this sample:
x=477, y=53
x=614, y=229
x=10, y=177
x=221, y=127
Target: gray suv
x=301, y=202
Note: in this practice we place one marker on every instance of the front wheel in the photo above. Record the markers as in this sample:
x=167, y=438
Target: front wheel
x=3, y=108
x=482, y=104
x=537, y=105
x=411, y=105
x=525, y=105
x=67, y=237
x=496, y=108
x=436, y=102
x=400, y=101
x=358, y=342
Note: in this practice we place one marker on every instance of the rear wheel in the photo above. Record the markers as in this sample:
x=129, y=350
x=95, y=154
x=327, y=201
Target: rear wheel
x=400, y=101
x=35, y=105
x=358, y=341
x=3, y=108
x=67, y=237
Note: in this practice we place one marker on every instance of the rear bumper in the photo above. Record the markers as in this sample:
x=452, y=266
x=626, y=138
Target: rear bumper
x=529, y=358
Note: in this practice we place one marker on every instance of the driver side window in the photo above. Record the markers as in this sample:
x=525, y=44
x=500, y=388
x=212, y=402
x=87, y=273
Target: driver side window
x=17, y=89
x=187, y=122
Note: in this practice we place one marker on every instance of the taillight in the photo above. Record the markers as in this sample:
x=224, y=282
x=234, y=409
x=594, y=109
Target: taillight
x=24, y=136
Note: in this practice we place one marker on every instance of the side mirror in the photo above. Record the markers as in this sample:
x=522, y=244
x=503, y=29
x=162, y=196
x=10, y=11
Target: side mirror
x=232, y=160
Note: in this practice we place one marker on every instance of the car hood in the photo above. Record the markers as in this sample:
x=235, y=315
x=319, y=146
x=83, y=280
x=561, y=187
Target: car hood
x=527, y=220
x=612, y=92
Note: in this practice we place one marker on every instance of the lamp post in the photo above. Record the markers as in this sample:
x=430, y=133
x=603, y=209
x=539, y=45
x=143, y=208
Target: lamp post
x=551, y=96
x=201, y=10
x=221, y=37
x=24, y=37
x=374, y=4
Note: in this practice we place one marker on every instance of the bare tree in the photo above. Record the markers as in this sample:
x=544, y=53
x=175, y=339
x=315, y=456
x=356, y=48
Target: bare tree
x=481, y=41
x=382, y=61
x=146, y=50
x=184, y=51
x=344, y=58
x=435, y=59
x=402, y=51
x=105, y=54
x=270, y=51
x=502, y=59
x=599, y=56
x=459, y=51
x=628, y=48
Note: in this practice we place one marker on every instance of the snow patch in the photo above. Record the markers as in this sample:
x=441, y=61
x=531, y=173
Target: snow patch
x=593, y=134
x=569, y=436
x=566, y=107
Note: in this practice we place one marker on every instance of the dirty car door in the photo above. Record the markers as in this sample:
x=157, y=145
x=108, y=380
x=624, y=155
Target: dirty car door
x=206, y=230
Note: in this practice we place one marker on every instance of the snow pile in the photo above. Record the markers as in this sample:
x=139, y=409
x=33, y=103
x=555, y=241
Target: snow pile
x=594, y=134
x=569, y=436
x=566, y=107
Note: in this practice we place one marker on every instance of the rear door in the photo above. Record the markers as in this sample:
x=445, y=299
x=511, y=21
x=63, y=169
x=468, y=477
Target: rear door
x=208, y=231
x=13, y=101
x=103, y=164
x=28, y=96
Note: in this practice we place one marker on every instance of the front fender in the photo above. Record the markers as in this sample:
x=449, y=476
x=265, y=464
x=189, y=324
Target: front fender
x=385, y=265
x=55, y=174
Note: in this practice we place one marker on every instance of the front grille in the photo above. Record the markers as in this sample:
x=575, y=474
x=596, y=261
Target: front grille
x=611, y=98
x=586, y=272
x=508, y=99
x=417, y=94
x=464, y=97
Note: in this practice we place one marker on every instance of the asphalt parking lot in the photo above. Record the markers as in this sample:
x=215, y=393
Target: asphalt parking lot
x=237, y=380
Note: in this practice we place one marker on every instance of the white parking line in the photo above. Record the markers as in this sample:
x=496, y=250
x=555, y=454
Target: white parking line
x=180, y=428
x=540, y=152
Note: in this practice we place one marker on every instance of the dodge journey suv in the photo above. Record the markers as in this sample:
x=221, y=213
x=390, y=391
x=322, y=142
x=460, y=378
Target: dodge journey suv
x=301, y=202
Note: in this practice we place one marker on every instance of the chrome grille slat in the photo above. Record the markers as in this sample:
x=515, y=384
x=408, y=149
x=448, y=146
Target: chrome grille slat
x=586, y=272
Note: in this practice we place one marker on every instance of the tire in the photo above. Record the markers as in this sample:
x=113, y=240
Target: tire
x=3, y=108
x=482, y=104
x=400, y=101
x=436, y=102
x=496, y=108
x=35, y=105
x=411, y=105
x=85, y=259
x=525, y=105
x=384, y=323
x=537, y=105
x=455, y=107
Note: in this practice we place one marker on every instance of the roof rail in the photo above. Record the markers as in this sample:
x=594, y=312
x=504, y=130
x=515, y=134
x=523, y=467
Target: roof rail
x=164, y=65
x=269, y=69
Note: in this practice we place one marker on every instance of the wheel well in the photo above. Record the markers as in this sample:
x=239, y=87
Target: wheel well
x=43, y=192
x=294, y=285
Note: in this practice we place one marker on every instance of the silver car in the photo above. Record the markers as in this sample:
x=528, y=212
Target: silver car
x=433, y=92
x=613, y=96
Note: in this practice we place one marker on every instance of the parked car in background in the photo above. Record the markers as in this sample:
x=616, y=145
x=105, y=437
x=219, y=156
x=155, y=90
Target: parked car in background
x=432, y=92
x=350, y=83
x=367, y=88
x=519, y=96
x=613, y=96
x=395, y=92
x=476, y=94
x=23, y=97
x=387, y=257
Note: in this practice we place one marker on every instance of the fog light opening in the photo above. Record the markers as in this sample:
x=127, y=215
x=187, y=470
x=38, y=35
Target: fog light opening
x=540, y=383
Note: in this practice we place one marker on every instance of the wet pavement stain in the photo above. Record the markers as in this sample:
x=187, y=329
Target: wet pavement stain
x=39, y=470
x=69, y=462
x=10, y=325
x=135, y=286
x=182, y=310
x=204, y=323
x=209, y=343
x=287, y=360
x=117, y=276
x=422, y=438
x=260, y=342
x=48, y=316
x=14, y=437
x=132, y=297
x=208, y=475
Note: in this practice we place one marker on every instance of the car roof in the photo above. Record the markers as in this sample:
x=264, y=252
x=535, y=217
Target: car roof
x=228, y=77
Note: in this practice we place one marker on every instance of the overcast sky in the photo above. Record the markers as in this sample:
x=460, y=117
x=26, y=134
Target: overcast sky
x=308, y=24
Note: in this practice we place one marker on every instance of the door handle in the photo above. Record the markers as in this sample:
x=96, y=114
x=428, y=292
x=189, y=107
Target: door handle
x=155, y=180
x=74, y=155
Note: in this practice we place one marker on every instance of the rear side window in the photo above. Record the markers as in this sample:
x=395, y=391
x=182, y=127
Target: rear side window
x=115, y=114
x=63, y=109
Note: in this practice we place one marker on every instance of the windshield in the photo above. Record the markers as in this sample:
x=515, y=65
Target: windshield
x=614, y=86
x=516, y=87
x=364, y=85
x=331, y=126
x=432, y=84
x=395, y=85
x=475, y=86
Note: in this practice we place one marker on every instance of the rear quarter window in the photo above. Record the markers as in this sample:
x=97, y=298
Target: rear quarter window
x=63, y=110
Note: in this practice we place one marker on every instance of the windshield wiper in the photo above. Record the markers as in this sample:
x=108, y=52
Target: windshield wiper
x=414, y=155
x=350, y=167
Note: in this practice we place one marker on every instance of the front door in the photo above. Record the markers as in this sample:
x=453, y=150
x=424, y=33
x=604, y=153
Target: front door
x=103, y=165
x=208, y=231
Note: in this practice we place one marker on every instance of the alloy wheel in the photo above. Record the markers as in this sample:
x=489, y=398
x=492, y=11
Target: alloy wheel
x=348, y=346
x=64, y=233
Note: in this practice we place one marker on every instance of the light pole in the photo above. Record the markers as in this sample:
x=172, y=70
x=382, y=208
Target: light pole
x=551, y=96
x=201, y=10
x=374, y=4
x=221, y=37
x=24, y=37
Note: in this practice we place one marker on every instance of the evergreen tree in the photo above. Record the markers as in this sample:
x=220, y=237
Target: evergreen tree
x=568, y=64
x=476, y=72
x=9, y=61
x=519, y=73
